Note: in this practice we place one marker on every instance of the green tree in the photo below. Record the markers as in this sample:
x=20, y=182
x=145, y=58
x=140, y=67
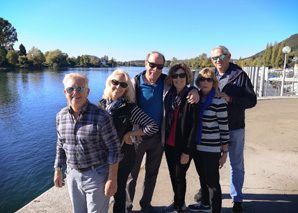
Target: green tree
x=23, y=61
x=3, y=60
x=85, y=61
x=56, y=58
x=12, y=57
x=174, y=61
x=8, y=34
x=36, y=57
x=22, y=50
x=267, y=55
x=279, y=61
x=274, y=53
x=71, y=61
x=258, y=62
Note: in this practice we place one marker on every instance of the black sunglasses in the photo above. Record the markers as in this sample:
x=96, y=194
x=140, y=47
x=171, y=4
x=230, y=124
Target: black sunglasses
x=205, y=79
x=153, y=65
x=70, y=90
x=122, y=84
x=181, y=75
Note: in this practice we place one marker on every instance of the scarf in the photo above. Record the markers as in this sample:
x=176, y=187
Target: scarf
x=203, y=106
x=175, y=101
x=112, y=106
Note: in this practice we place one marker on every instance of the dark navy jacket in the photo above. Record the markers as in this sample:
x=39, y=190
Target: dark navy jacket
x=240, y=89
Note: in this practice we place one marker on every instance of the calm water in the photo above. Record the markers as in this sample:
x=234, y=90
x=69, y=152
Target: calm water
x=29, y=101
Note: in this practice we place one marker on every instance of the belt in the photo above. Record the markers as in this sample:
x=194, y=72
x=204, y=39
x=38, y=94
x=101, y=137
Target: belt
x=88, y=168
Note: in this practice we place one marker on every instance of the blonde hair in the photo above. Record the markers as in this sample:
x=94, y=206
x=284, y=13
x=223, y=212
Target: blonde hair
x=76, y=76
x=209, y=72
x=128, y=94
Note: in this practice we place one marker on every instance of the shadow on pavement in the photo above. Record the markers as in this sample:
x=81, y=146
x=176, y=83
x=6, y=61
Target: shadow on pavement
x=272, y=203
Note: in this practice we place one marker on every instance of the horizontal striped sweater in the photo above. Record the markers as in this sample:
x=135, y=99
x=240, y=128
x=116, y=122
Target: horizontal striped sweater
x=215, y=129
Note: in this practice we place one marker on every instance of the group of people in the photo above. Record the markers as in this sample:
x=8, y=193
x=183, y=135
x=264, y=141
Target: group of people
x=103, y=145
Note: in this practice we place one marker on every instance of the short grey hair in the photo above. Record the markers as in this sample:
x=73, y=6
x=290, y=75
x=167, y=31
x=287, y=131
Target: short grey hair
x=223, y=49
x=76, y=76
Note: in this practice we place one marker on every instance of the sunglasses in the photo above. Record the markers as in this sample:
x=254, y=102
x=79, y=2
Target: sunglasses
x=202, y=79
x=153, y=65
x=220, y=57
x=70, y=90
x=122, y=84
x=181, y=75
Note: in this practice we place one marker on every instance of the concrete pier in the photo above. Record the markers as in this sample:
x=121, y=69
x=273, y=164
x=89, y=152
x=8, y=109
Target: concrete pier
x=271, y=164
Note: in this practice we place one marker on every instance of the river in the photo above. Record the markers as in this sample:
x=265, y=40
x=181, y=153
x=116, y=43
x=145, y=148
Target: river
x=29, y=101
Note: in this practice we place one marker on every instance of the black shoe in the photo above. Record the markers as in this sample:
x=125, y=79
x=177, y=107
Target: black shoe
x=238, y=207
x=148, y=209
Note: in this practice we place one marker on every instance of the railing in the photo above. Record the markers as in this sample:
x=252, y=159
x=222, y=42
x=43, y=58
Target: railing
x=266, y=83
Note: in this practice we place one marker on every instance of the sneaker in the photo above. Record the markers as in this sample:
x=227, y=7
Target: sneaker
x=238, y=207
x=170, y=208
x=199, y=207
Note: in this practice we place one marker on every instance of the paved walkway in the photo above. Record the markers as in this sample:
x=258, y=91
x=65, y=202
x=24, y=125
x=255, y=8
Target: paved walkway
x=271, y=162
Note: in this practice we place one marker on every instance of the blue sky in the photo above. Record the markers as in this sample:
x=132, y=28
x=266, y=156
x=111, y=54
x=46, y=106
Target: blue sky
x=129, y=30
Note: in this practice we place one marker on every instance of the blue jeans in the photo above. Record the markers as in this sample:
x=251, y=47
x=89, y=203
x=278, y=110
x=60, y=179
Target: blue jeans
x=86, y=189
x=236, y=148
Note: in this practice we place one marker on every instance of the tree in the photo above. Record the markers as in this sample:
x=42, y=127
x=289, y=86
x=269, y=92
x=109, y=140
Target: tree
x=22, y=50
x=3, y=60
x=279, y=61
x=56, y=58
x=36, y=57
x=8, y=34
x=267, y=55
x=274, y=53
x=12, y=57
x=174, y=61
x=23, y=61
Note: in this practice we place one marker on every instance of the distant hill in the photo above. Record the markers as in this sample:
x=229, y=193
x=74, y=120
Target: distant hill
x=291, y=42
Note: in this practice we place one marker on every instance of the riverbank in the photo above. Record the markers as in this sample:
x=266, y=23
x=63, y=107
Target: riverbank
x=271, y=162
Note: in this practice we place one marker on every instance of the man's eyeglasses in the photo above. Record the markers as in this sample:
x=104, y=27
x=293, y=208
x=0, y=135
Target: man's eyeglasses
x=122, y=84
x=220, y=57
x=153, y=65
x=70, y=90
x=202, y=79
x=181, y=75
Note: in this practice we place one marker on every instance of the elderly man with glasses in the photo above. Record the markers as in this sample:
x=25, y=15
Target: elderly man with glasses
x=236, y=88
x=150, y=88
x=88, y=144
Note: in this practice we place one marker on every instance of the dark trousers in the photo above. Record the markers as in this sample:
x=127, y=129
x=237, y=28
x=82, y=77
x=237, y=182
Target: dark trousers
x=207, y=165
x=154, y=151
x=177, y=174
x=120, y=196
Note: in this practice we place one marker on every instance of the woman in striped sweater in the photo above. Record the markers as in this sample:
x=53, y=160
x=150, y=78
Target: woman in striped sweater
x=118, y=101
x=211, y=142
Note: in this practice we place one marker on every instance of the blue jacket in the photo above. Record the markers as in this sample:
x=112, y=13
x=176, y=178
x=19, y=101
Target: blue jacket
x=240, y=89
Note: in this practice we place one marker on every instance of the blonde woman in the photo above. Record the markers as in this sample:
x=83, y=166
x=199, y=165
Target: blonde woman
x=118, y=101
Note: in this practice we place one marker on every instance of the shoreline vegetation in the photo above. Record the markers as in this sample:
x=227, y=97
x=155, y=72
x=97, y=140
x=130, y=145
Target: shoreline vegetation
x=271, y=57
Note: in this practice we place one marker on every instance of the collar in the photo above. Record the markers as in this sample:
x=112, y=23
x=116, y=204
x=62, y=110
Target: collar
x=142, y=82
x=84, y=108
